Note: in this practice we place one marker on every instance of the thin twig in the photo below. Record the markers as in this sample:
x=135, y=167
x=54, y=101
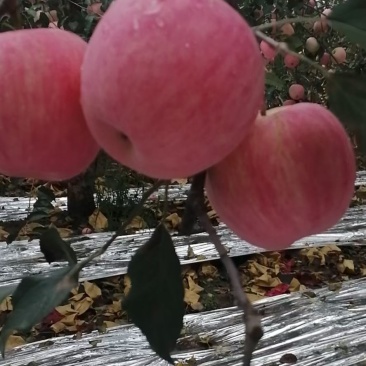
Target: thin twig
x=279, y=23
x=252, y=320
x=136, y=210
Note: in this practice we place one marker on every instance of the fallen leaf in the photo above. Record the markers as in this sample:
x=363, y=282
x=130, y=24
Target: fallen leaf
x=92, y=290
x=197, y=306
x=110, y=324
x=209, y=270
x=14, y=341
x=190, y=253
x=174, y=220
x=114, y=308
x=84, y=305
x=65, y=309
x=58, y=327
x=136, y=224
x=127, y=284
x=267, y=281
x=98, y=221
x=294, y=285
x=77, y=297
x=254, y=297
x=28, y=228
x=3, y=234
x=194, y=286
x=190, y=297
x=64, y=232
x=6, y=305
x=278, y=290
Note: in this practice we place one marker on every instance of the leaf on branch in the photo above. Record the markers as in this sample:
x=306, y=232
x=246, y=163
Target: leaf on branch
x=36, y=216
x=347, y=100
x=350, y=19
x=273, y=80
x=34, y=298
x=54, y=248
x=46, y=193
x=155, y=301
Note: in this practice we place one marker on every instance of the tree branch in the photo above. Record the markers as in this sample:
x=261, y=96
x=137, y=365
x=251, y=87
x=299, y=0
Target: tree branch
x=252, y=320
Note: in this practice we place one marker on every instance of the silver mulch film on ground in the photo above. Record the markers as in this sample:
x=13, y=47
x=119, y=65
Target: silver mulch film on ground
x=17, y=208
x=25, y=258
x=326, y=330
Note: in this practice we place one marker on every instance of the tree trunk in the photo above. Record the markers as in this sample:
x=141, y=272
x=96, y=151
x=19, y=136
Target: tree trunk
x=80, y=194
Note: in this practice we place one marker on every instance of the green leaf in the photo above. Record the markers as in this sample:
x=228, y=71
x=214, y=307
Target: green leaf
x=54, y=248
x=350, y=19
x=42, y=204
x=347, y=100
x=45, y=193
x=273, y=80
x=37, y=216
x=155, y=301
x=34, y=298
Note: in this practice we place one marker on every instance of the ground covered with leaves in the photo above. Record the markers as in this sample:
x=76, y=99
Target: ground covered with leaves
x=97, y=305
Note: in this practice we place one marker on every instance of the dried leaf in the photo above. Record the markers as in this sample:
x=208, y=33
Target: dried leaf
x=98, y=221
x=84, y=305
x=14, y=341
x=92, y=290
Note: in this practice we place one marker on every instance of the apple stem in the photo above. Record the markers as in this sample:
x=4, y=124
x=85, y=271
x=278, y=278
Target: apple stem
x=252, y=320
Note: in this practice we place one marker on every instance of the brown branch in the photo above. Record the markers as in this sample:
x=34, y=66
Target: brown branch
x=252, y=320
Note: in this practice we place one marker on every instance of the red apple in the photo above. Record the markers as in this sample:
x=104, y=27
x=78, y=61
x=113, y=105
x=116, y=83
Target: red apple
x=164, y=92
x=289, y=102
x=292, y=177
x=340, y=55
x=269, y=52
x=287, y=30
x=325, y=59
x=44, y=134
x=296, y=92
x=291, y=61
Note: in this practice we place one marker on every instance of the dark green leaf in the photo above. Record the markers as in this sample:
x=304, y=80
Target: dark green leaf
x=155, y=302
x=14, y=232
x=42, y=204
x=37, y=216
x=105, y=5
x=294, y=42
x=54, y=248
x=34, y=298
x=45, y=193
x=43, y=21
x=350, y=19
x=273, y=80
x=347, y=100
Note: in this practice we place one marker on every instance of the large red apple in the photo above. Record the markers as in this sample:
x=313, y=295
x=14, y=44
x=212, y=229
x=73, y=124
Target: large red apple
x=43, y=130
x=170, y=88
x=292, y=177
